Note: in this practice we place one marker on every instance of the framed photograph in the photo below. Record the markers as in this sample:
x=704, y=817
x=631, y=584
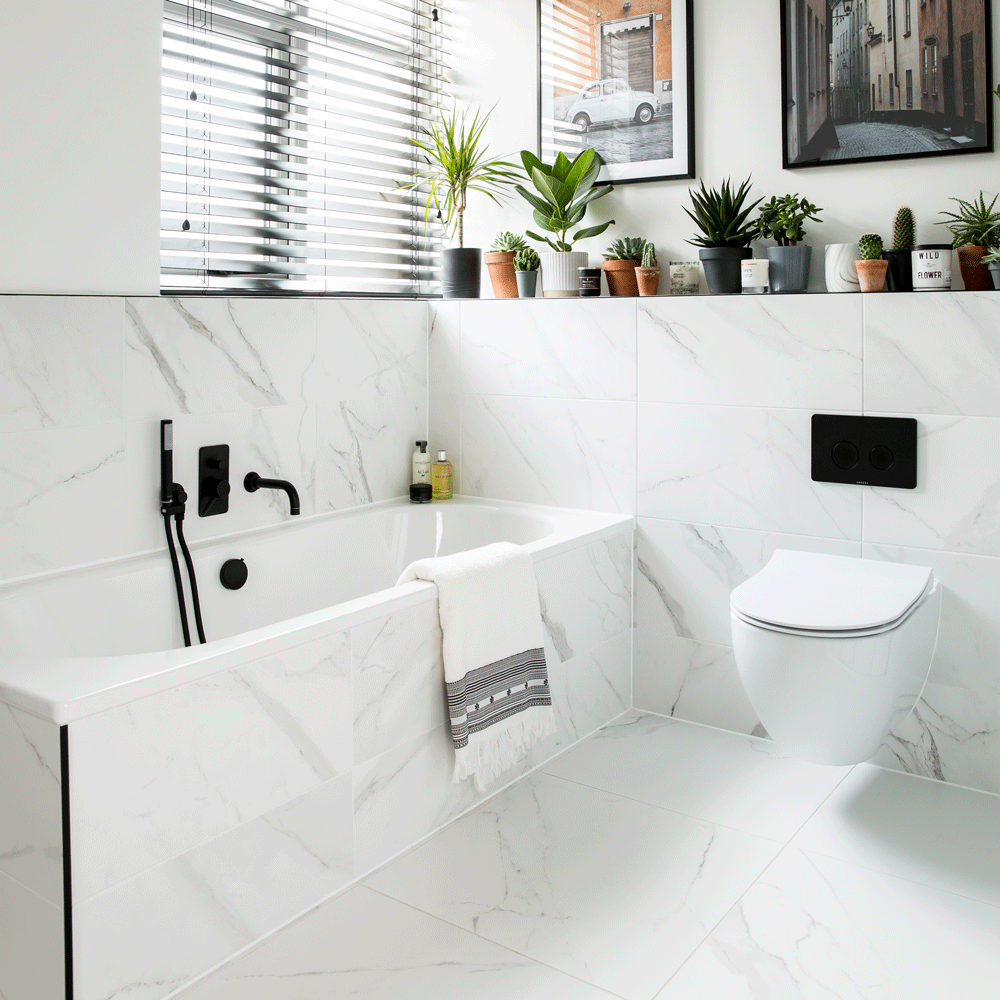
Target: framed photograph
x=618, y=77
x=885, y=80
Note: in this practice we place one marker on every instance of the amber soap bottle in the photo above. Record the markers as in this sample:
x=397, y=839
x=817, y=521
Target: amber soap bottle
x=441, y=478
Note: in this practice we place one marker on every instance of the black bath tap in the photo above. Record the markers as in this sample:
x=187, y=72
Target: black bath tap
x=252, y=482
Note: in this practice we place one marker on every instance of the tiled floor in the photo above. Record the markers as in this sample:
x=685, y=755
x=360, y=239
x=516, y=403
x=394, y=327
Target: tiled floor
x=661, y=859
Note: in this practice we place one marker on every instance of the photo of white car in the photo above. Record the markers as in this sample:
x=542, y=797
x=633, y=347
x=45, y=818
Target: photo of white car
x=605, y=101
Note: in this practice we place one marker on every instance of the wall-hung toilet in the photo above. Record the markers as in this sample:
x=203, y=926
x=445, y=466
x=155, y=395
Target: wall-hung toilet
x=833, y=651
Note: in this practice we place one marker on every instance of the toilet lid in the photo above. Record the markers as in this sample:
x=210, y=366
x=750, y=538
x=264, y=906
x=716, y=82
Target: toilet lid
x=807, y=590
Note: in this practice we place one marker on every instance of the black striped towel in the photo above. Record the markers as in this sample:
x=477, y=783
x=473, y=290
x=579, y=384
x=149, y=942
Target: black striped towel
x=499, y=701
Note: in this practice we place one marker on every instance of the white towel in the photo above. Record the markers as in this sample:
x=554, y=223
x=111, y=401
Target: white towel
x=499, y=701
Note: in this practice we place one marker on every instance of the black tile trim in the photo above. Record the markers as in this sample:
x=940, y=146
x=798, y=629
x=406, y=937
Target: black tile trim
x=67, y=865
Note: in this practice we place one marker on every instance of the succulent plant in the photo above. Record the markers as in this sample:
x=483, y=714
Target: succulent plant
x=975, y=224
x=649, y=255
x=505, y=242
x=783, y=219
x=904, y=230
x=627, y=248
x=721, y=215
x=526, y=260
x=870, y=247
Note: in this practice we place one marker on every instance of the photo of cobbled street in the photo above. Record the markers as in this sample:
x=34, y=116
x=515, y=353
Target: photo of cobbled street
x=882, y=78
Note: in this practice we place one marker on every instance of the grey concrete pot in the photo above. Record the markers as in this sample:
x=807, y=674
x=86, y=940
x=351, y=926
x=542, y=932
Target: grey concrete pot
x=722, y=268
x=526, y=283
x=460, y=272
x=789, y=270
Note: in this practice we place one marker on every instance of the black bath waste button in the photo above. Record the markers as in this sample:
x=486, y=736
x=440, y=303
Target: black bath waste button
x=233, y=574
x=845, y=455
x=880, y=457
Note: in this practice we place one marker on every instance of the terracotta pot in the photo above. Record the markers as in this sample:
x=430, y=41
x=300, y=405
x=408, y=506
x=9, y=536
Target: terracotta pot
x=975, y=274
x=502, y=274
x=871, y=274
x=621, y=276
x=648, y=280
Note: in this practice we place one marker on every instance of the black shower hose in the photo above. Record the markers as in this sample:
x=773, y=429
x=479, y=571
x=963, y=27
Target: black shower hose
x=192, y=579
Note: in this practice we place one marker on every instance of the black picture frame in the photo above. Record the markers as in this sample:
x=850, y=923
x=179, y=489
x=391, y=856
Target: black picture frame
x=629, y=51
x=857, y=91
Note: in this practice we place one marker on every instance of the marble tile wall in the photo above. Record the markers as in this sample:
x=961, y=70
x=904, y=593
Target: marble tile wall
x=328, y=394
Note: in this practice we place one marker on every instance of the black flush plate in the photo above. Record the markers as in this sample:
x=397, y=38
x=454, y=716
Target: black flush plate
x=865, y=451
x=213, y=480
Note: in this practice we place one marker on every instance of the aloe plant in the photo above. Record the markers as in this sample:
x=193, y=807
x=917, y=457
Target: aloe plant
x=526, y=260
x=565, y=189
x=505, y=242
x=721, y=215
x=870, y=247
x=626, y=248
x=975, y=224
x=649, y=255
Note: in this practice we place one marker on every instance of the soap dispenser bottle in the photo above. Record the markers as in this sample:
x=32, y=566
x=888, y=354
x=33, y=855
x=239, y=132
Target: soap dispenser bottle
x=421, y=464
x=441, y=478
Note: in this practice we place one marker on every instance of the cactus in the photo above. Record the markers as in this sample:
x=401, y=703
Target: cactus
x=870, y=247
x=904, y=230
x=526, y=260
x=627, y=248
x=505, y=242
x=649, y=255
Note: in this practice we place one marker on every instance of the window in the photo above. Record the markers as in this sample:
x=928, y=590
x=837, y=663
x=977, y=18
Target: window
x=888, y=17
x=906, y=10
x=909, y=88
x=923, y=86
x=892, y=90
x=286, y=130
x=590, y=93
x=934, y=67
x=880, y=95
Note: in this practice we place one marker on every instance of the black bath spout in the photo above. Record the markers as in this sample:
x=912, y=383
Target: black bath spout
x=252, y=482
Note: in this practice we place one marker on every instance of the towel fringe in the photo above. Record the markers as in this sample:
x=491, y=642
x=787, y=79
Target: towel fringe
x=500, y=747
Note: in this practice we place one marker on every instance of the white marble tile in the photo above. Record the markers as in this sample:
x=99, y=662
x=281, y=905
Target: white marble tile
x=586, y=595
x=371, y=348
x=767, y=350
x=815, y=929
x=444, y=350
x=445, y=432
x=167, y=773
x=685, y=573
x=547, y=868
x=31, y=945
x=738, y=466
x=31, y=814
x=365, y=449
x=926, y=831
x=366, y=946
x=61, y=490
x=155, y=932
x=691, y=680
x=399, y=688
x=736, y=781
x=277, y=443
x=577, y=349
x=61, y=361
x=569, y=453
x=206, y=355
x=956, y=504
x=933, y=353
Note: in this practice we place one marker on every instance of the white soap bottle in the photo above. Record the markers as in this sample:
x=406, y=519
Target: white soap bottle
x=421, y=464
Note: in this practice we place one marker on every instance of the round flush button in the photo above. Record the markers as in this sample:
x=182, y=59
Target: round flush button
x=845, y=455
x=880, y=457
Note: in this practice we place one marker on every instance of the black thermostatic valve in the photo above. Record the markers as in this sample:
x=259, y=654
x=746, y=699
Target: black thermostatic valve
x=213, y=480
x=864, y=451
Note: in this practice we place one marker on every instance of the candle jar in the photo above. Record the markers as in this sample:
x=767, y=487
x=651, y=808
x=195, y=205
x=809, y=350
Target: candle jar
x=685, y=277
x=590, y=281
x=931, y=267
x=754, y=275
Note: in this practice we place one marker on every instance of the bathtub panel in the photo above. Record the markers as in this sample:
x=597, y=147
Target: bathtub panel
x=31, y=833
x=398, y=679
x=31, y=945
x=215, y=899
x=160, y=776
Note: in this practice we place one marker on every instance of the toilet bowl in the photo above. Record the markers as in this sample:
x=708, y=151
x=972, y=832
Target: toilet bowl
x=833, y=652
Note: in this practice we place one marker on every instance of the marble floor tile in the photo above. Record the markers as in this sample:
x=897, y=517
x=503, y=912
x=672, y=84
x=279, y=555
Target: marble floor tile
x=366, y=946
x=816, y=929
x=737, y=781
x=926, y=831
x=551, y=869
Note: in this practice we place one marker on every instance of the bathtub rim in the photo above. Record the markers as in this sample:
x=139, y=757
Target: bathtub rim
x=62, y=690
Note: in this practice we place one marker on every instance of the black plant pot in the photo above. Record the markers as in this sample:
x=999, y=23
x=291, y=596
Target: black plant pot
x=461, y=268
x=722, y=268
x=899, y=275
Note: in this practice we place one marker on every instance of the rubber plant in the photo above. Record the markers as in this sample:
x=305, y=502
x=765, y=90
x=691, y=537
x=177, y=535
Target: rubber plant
x=974, y=228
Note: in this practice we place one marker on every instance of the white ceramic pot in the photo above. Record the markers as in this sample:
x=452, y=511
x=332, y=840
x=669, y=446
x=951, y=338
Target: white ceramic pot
x=841, y=274
x=560, y=273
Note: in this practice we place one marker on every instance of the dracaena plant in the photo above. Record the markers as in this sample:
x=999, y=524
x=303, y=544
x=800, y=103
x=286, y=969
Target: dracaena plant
x=721, y=215
x=564, y=190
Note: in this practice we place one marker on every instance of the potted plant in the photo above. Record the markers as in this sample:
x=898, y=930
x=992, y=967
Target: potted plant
x=973, y=232
x=647, y=274
x=899, y=276
x=871, y=267
x=500, y=263
x=564, y=190
x=783, y=220
x=725, y=238
x=620, y=261
x=526, y=272
x=992, y=260
x=454, y=157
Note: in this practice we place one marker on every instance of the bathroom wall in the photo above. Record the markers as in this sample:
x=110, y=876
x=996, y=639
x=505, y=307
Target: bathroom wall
x=327, y=394
x=694, y=414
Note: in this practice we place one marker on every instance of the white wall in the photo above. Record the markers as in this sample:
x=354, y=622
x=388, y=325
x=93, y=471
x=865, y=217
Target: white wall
x=80, y=171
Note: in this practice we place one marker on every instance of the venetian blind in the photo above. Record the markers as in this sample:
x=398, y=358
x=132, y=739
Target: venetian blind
x=286, y=128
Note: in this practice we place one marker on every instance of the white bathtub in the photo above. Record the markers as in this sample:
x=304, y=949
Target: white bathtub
x=169, y=806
